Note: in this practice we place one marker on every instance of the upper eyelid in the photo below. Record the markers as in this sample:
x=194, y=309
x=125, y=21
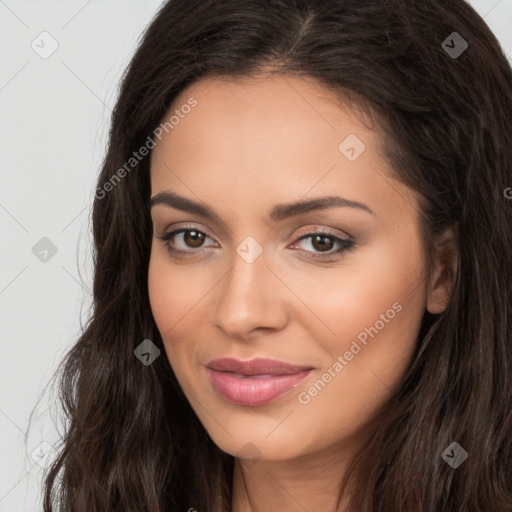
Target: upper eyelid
x=315, y=229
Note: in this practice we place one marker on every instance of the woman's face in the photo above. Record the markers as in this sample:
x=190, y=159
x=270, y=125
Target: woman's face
x=335, y=289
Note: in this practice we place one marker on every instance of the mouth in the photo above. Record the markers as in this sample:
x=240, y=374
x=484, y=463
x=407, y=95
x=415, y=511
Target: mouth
x=256, y=382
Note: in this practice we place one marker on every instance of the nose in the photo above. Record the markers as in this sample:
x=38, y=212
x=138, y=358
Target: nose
x=250, y=297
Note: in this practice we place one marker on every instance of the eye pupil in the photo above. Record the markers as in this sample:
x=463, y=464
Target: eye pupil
x=193, y=238
x=322, y=239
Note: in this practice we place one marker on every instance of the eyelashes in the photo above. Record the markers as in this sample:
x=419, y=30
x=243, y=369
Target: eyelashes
x=194, y=238
x=316, y=237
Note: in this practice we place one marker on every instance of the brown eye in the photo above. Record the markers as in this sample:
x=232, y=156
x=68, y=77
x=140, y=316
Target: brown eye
x=322, y=243
x=193, y=238
x=184, y=240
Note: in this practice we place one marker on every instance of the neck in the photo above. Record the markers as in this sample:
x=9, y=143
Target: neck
x=308, y=482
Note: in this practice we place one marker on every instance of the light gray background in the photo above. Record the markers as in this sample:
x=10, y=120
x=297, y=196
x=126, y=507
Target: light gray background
x=54, y=120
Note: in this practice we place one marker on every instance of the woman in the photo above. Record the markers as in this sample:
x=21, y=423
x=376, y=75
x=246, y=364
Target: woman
x=302, y=292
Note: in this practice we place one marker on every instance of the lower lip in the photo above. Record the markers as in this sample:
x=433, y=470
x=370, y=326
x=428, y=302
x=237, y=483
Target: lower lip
x=253, y=391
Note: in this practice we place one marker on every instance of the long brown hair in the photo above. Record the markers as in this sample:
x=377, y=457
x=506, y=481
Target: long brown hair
x=132, y=442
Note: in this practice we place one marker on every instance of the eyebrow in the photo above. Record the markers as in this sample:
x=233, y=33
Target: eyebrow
x=278, y=213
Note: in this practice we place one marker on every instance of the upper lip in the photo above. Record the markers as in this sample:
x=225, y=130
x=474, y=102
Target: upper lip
x=258, y=366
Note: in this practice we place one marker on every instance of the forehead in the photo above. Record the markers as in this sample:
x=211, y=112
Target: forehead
x=270, y=119
x=265, y=103
x=267, y=139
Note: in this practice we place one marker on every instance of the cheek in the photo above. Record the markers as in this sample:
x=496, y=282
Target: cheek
x=378, y=288
x=176, y=295
x=162, y=288
x=375, y=311
x=175, y=291
x=389, y=299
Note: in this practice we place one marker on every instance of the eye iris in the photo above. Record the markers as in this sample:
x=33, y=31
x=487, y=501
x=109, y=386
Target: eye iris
x=193, y=238
x=322, y=245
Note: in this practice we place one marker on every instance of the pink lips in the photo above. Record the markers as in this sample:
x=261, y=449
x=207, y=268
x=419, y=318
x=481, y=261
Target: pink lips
x=254, y=382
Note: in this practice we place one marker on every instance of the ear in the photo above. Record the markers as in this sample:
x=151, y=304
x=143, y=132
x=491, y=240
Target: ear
x=445, y=254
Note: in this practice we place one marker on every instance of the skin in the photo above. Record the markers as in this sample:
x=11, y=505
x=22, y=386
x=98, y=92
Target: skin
x=247, y=146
